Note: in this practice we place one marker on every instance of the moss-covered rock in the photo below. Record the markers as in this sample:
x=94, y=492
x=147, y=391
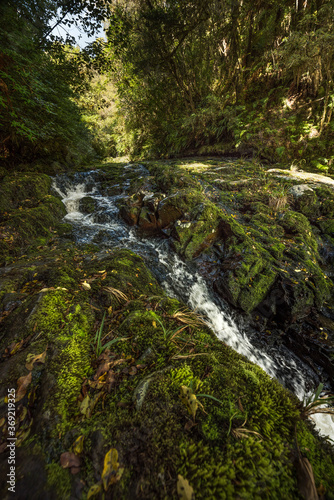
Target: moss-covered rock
x=87, y=205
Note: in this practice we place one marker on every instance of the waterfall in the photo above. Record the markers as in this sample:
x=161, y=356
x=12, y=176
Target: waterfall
x=180, y=281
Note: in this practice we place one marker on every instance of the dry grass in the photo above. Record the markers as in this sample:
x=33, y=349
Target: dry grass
x=189, y=318
x=116, y=293
x=278, y=202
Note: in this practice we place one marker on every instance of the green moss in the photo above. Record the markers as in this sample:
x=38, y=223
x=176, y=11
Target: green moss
x=196, y=236
x=245, y=469
x=321, y=458
x=72, y=365
x=249, y=298
x=59, y=480
x=326, y=200
x=327, y=227
x=23, y=189
x=51, y=319
x=295, y=223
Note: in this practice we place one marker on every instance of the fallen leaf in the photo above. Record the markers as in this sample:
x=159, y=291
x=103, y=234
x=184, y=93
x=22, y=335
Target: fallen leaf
x=184, y=490
x=94, y=490
x=189, y=399
x=92, y=404
x=103, y=368
x=133, y=370
x=189, y=425
x=68, y=460
x=13, y=349
x=84, y=406
x=22, y=385
x=78, y=445
x=85, y=285
x=33, y=358
x=111, y=471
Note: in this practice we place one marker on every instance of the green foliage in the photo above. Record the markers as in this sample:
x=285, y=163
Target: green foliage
x=39, y=117
x=198, y=77
x=99, y=347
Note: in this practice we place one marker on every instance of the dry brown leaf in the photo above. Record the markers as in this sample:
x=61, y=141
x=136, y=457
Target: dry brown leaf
x=68, y=460
x=133, y=370
x=34, y=358
x=184, y=490
x=22, y=386
x=103, y=368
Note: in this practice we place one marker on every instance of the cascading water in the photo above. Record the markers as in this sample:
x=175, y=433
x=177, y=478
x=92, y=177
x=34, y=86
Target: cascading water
x=104, y=227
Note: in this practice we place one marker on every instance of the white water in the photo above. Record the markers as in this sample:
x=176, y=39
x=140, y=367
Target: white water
x=185, y=285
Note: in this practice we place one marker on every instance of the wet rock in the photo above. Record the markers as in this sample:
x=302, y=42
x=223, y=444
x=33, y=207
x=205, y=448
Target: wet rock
x=104, y=217
x=87, y=205
x=194, y=237
x=100, y=236
x=168, y=211
x=147, y=220
x=129, y=208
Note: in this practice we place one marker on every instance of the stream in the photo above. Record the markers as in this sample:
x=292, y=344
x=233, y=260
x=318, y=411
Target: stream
x=179, y=279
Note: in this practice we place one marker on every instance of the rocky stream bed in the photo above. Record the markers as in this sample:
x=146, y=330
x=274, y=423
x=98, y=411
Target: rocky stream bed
x=137, y=332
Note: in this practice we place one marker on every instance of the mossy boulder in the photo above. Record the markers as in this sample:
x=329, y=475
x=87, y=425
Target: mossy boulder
x=198, y=234
x=304, y=200
x=87, y=205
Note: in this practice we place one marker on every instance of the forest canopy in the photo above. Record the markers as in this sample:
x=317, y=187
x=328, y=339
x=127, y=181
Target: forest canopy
x=190, y=77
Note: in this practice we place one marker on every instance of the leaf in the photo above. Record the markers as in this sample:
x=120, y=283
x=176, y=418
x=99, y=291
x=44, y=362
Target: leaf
x=189, y=399
x=33, y=358
x=111, y=470
x=133, y=370
x=84, y=406
x=85, y=285
x=78, y=445
x=184, y=490
x=94, y=490
x=22, y=385
x=68, y=460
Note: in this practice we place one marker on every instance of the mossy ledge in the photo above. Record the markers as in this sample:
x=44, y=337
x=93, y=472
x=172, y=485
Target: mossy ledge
x=128, y=397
